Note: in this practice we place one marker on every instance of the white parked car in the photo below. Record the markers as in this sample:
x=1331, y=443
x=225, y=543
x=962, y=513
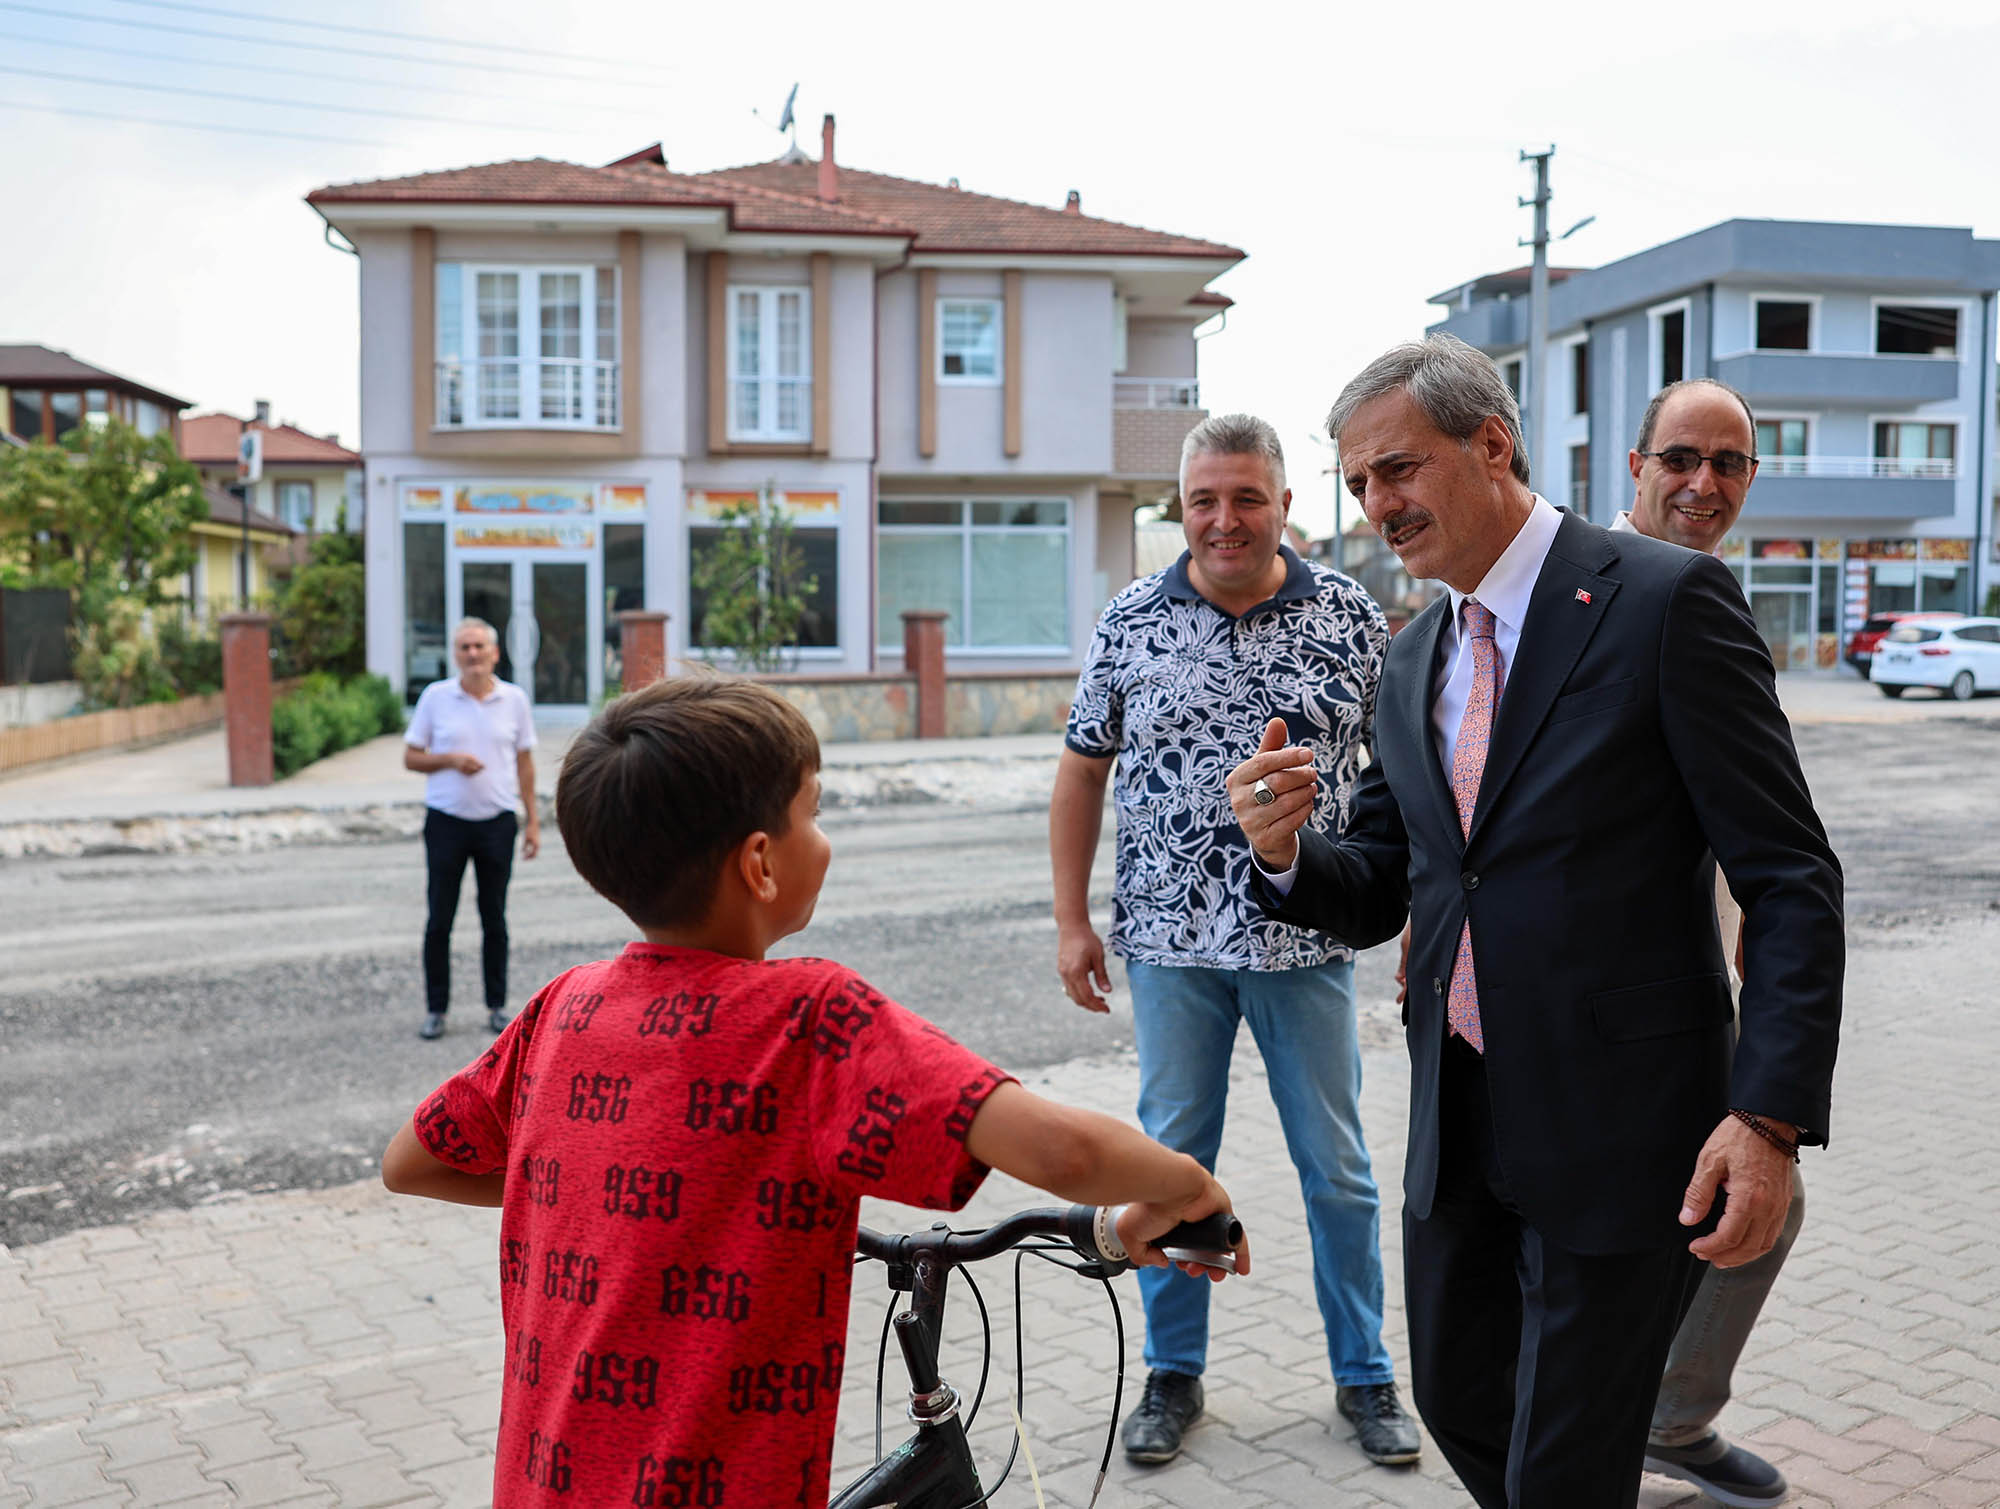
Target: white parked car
x=1957, y=657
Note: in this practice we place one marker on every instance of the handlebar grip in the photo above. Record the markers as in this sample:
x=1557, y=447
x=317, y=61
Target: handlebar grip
x=1216, y=1233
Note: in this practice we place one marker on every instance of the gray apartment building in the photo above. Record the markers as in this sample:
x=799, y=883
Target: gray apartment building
x=1867, y=353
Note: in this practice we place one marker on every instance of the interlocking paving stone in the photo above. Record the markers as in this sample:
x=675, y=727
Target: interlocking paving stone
x=342, y=1347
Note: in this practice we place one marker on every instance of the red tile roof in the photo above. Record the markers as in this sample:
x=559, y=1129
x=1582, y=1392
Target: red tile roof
x=948, y=219
x=210, y=440
x=782, y=196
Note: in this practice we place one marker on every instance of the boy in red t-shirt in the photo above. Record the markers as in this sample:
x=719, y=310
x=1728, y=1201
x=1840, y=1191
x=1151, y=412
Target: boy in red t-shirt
x=678, y=1138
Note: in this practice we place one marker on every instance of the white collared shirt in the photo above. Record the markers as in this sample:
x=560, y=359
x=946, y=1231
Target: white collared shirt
x=496, y=728
x=1505, y=589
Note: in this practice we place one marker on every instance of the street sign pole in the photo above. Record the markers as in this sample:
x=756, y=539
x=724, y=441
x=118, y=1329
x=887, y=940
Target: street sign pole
x=249, y=471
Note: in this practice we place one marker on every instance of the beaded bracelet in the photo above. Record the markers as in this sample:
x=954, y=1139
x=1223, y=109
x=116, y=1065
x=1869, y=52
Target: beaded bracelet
x=1768, y=1132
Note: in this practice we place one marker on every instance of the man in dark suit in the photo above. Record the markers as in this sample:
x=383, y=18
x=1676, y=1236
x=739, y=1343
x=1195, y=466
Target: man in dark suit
x=1567, y=744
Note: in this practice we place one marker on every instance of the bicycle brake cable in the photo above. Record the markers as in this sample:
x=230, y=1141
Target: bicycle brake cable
x=1117, y=1394
x=985, y=1345
x=881, y=1364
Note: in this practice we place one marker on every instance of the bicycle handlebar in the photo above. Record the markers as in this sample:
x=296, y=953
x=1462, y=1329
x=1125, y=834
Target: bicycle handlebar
x=1088, y=1229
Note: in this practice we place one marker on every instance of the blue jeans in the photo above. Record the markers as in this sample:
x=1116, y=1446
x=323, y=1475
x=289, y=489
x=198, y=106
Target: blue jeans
x=1303, y=1022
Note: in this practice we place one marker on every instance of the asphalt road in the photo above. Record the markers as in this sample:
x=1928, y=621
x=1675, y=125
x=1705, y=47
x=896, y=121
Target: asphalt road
x=176, y=1029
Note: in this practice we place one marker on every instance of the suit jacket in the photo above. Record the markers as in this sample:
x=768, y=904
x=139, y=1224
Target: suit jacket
x=1638, y=742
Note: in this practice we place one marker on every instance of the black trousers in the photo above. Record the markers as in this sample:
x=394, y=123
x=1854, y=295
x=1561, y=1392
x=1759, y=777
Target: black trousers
x=1535, y=1367
x=448, y=843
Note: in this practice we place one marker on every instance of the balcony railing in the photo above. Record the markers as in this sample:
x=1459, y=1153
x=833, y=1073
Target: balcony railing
x=1857, y=466
x=561, y=393
x=1155, y=393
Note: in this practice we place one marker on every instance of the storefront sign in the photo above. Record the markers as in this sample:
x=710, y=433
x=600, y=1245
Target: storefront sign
x=816, y=507
x=622, y=499
x=423, y=499
x=525, y=534
x=1882, y=550
x=524, y=498
x=1947, y=550
x=1782, y=550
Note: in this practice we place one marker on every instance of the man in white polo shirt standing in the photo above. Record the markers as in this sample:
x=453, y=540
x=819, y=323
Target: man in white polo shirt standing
x=473, y=738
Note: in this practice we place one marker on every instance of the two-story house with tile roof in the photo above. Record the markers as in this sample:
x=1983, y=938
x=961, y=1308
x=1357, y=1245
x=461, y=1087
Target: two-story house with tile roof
x=1867, y=353
x=307, y=477
x=570, y=374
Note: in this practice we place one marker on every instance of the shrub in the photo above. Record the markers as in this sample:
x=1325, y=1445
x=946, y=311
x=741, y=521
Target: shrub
x=326, y=715
x=116, y=660
x=299, y=734
x=386, y=702
x=193, y=662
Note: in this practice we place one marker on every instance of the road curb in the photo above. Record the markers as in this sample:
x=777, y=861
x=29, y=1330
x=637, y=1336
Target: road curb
x=1003, y=781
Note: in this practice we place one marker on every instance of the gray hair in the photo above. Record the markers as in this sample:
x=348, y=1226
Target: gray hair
x=1235, y=435
x=1457, y=387
x=1652, y=415
x=492, y=634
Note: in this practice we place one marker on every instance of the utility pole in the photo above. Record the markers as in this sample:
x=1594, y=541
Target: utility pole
x=1538, y=301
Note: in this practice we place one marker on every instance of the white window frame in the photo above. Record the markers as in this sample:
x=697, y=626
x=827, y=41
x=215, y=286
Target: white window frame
x=974, y=380
x=596, y=377
x=1656, y=349
x=1812, y=303
x=312, y=502
x=768, y=379
x=1875, y=304
x=1771, y=466
x=965, y=529
x=1959, y=460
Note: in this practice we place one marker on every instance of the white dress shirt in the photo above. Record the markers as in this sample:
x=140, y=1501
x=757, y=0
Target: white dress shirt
x=1505, y=590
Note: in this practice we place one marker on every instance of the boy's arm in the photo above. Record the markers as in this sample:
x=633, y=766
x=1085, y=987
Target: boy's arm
x=409, y=1169
x=1092, y=1159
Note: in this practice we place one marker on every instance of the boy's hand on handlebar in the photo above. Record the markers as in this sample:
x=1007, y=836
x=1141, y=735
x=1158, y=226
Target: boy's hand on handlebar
x=1140, y=1225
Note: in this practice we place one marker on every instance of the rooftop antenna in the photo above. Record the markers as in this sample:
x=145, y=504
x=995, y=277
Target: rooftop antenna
x=787, y=122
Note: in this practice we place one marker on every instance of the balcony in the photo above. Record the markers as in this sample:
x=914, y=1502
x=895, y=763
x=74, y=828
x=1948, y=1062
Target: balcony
x=521, y=393
x=1854, y=380
x=1853, y=487
x=1150, y=417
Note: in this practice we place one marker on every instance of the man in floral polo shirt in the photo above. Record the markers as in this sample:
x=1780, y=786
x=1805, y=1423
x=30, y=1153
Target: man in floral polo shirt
x=1185, y=669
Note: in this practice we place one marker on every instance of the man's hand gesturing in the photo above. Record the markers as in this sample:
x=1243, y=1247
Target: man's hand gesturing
x=1288, y=773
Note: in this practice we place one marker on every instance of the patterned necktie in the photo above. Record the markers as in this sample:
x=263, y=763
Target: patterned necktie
x=1468, y=762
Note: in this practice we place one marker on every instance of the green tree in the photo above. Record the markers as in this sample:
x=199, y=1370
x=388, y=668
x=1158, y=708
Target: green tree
x=753, y=584
x=323, y=614
x=106, y=514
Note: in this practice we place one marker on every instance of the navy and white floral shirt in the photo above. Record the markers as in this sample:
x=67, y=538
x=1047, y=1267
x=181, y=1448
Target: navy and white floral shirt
x=1180, y=691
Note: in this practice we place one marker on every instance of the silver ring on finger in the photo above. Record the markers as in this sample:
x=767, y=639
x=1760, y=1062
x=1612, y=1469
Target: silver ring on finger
x=1261, y=790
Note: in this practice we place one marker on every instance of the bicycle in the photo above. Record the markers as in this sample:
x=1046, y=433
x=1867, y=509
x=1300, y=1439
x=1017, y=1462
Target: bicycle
x=934, y=1468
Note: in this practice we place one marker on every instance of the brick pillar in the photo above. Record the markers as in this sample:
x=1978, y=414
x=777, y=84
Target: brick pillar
x=642, y=647
x=923, y=657
x=246, y=696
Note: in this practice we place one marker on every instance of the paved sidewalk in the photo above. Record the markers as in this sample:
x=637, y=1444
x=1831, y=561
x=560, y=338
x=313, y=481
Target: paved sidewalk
x=343, y=1347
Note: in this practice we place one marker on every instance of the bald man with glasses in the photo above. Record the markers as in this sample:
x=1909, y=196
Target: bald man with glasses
x=1691, y=472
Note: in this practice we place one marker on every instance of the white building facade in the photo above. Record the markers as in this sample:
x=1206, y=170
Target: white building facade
x=570, y=376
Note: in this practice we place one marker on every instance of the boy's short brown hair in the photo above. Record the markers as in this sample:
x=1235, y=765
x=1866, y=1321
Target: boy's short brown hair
x=666, y=781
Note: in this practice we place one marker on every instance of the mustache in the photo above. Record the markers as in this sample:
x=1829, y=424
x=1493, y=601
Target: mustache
x=1403, y=519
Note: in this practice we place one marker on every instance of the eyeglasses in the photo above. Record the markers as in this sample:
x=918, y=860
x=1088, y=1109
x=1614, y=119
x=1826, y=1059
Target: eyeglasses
x=1683, y=459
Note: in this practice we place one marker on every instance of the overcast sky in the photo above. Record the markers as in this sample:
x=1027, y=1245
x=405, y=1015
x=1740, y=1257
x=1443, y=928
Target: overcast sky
x=1364, y=158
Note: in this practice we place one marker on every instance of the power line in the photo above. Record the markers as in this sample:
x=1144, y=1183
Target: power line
x=375, y=31
x=153, y=120
x=299, y=73
x=258, y=99
x=357, y=52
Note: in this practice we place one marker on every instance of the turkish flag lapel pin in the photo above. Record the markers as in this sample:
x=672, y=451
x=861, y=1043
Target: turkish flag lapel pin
x=1582, y=596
